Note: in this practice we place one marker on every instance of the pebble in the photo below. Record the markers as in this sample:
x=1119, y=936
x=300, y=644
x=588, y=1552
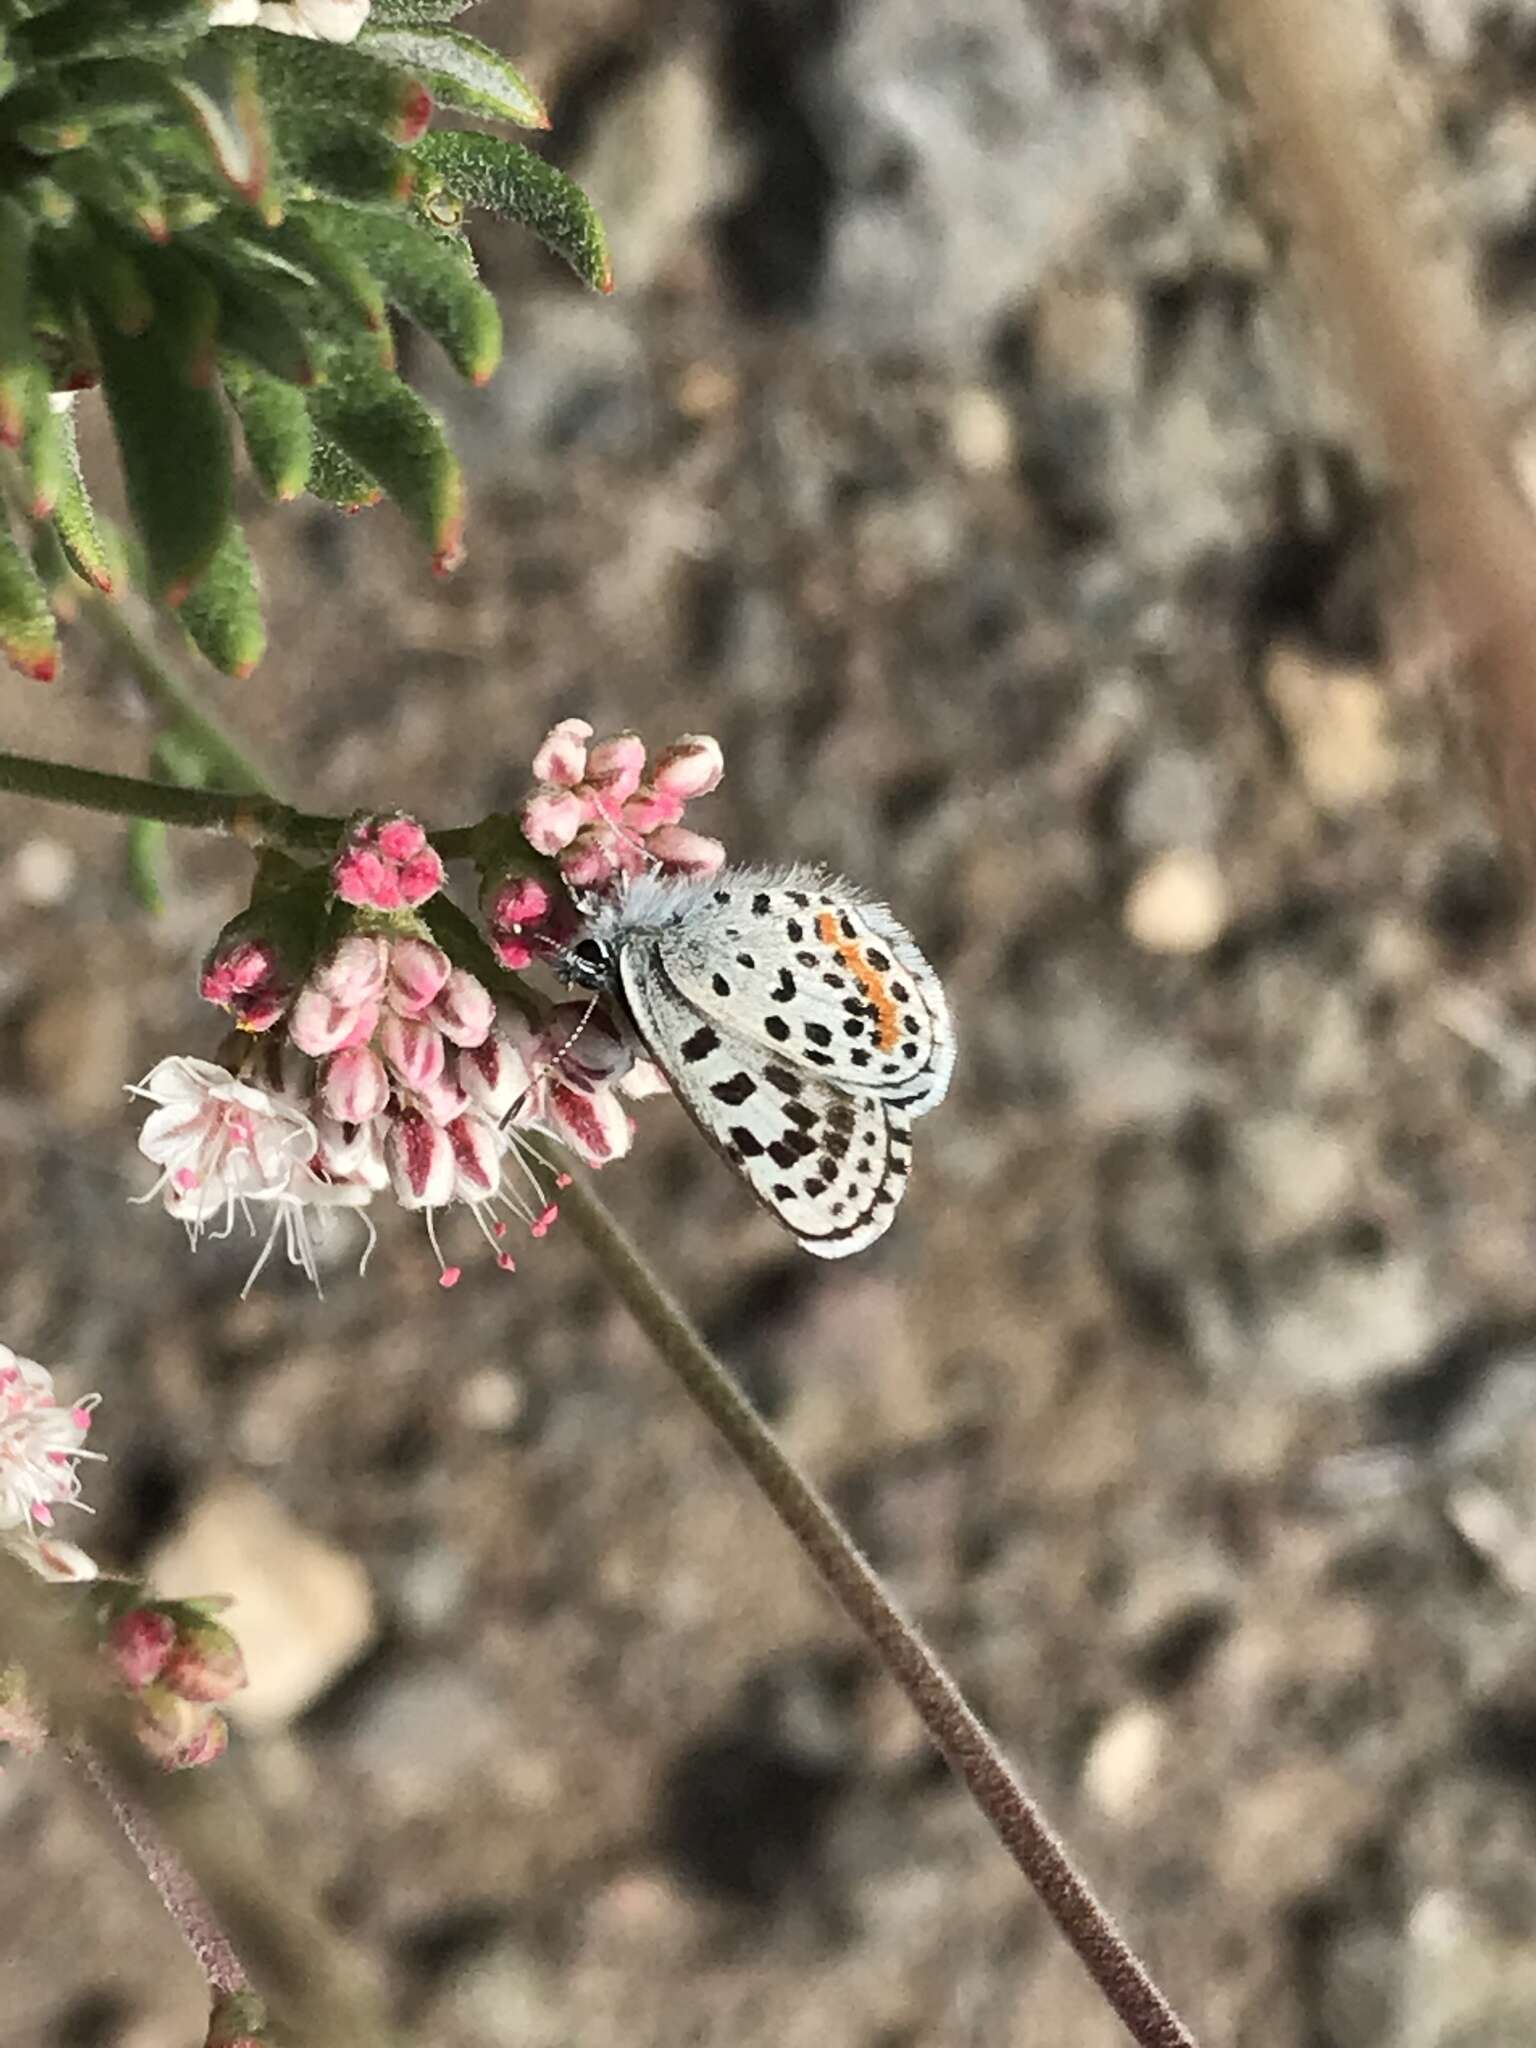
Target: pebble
x=1178, y=902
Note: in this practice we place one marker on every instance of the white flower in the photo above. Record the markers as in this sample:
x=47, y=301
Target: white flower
x=321, y=21
x=40, y=1446
x=233, y=13
x=220, y=1143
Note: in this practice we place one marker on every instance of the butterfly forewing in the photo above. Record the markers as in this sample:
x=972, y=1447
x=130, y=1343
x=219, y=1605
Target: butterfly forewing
x=819, y=979
x=830, y=1163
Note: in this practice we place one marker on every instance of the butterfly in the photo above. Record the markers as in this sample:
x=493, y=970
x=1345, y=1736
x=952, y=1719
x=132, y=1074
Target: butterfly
x=799, y=1025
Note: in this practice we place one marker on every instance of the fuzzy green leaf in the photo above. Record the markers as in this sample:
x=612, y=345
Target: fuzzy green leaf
x=501, y=175
x=74, y=520
x=428, y=280
x=390, y=434
x=222, y=611
x=219, y=88
x=351, y=296
x=418, y=13
x=43, y=455
x=145, y=858
x=106, y=28
x=258, y=318
x=28, y=638
x=118, y=187
x=335, y=479
x=275, y=421
x=16, y=348
x=170, y=425
x=300, y=79
x=459, y=72
x=348, y=160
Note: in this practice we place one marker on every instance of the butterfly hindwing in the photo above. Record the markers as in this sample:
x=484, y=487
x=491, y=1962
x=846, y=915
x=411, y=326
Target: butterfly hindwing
x=829, y=1163
x=797, y=963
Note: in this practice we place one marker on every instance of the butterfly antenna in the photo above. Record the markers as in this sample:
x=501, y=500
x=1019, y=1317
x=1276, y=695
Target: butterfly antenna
x=552, y=1060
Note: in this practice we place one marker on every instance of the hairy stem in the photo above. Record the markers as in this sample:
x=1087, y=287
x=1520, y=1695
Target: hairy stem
x=178, y=1889
x=965, y=1744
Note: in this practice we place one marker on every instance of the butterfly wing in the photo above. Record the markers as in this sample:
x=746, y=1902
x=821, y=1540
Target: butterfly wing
x=829, y=1164
x=804, y=969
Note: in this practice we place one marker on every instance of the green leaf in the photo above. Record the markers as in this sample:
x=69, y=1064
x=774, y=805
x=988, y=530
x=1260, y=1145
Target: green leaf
x=349, y=288
x=220, y=90
x=222, y=610
x=145, y=859
x=264, y=324
x=335, y=479
x=300, y=79
x=417, y=13
x=391, y=435
x=118, y=187
x=16, y=350
x=28, y=638
x=169, y=423
x=459, y=72
x=74, y=520
x=344, y=158
x=43, y=455
x=275, y=421
x=106, y=28
x=501, y=175
x=428, y=280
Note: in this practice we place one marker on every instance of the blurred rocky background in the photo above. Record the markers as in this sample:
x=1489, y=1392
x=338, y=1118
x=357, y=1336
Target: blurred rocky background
x=955, y=448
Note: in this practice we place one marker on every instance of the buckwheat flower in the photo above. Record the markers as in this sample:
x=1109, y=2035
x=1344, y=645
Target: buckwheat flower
x=41, y=1444
x=247, y=978
x=319, y=1025
x=492, y=1076
x=562, y=758
x=320, y=21
x=552, y=818
x=355, y=972
x=463, y=1009
x=220, y=1143
x=570, y=1094
x=686, y=853
x=690, y=767
x=418, y=971
x=614, y=768
x=515, y=909
x=386, y=863
x=354, y=1086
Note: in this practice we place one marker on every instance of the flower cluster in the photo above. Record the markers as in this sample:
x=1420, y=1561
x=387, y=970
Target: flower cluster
x=179, y=1663
x=598, y=814
x=376, y=1064
x=41, y=1444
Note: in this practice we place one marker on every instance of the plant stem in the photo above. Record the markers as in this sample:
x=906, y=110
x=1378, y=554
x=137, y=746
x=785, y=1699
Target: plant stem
x=178, y=1889
x=965, y=1744
x=259, y=820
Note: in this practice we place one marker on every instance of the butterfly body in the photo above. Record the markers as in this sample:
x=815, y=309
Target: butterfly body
x=799, y=1025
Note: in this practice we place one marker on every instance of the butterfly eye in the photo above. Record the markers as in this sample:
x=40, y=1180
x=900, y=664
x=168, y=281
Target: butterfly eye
x=590, y=953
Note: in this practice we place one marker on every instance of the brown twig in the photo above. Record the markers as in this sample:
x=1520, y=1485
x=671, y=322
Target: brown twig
x=1327, y=100
x=958, y=1734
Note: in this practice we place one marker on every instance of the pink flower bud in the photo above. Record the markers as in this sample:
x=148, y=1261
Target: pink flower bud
x=413, y=1048
x=591, y=860
x=355, y=1086
x=138, y=1643
x=519, y=900
x=465, y=1010
x=180, y=1734
x=552, y=818
x=594, y=1124
x=361, y=876
x=399, y=839
x=353, y=1154
x=562, y=759
x=690, y=767
x=614, y=768
x=442, y=1100
x=421, y=1161
x=355, y=970
x=206, y=1663
x=421, y=878
x=247, y=979
x=685, y=852
x=492, y=1075
x=417, y=970
x=476, y=1157
x=512, y=953
x=318, y=1026
x=648, y=808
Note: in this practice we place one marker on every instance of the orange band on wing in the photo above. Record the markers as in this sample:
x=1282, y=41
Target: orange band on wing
x=871, y=982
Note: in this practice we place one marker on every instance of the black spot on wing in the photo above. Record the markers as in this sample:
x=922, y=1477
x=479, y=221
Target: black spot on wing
x=699, y=1045
x=735, y=1090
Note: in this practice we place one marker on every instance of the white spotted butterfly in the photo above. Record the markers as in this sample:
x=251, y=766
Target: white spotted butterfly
x=799, y=1025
